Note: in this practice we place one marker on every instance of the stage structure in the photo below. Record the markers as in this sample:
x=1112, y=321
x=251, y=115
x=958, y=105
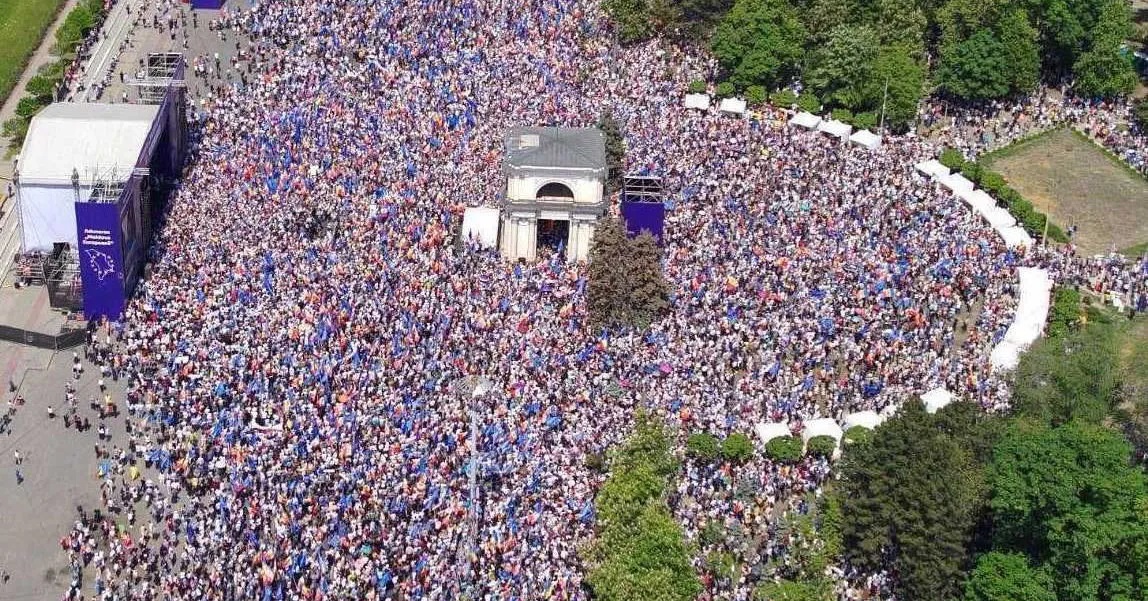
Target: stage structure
x=91, y=179
x=554, y=191
x=643, y=208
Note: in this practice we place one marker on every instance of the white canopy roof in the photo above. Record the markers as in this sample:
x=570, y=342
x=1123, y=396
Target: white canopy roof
x=999, y=218
x=733, y=106
x=94, y=140
x=835, y=128
x=822, y=427
x=1031, y=313
x=932, y=168
x=865, y=419
x=1015, y=237
x=698, y=101
x=481, y=223
x=979, y=200
x=805, y=120
x=866, y=138
x=937, y=398
x=955, y=182
x=768, y=431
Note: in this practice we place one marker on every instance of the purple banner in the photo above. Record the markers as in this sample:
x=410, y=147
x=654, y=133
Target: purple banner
x=101, y=259
x=648, y=216
x=208, y=4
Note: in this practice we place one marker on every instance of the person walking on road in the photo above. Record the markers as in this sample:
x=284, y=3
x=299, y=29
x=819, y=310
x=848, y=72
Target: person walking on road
x=17, y=456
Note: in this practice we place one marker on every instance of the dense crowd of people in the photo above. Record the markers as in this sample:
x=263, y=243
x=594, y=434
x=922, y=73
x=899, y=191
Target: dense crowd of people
x=292, y=360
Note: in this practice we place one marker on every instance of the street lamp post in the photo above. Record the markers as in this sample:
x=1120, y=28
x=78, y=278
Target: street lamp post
x=470, y=389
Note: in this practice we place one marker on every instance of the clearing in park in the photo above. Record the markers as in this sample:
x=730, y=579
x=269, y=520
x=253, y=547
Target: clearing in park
x=1078, y=184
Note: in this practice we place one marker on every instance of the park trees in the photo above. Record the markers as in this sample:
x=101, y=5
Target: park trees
x=615, y=150
x=626, y=287
x=760, y=42
x=1008, y=577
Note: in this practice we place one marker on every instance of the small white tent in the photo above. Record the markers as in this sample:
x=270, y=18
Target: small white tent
x=835, y=128
x=481, y=223
x=937, y=398
x=932, y=168
x=768, y=431
x=865, y=419
x=700, y=102
x=822, y=427
x=956, y=182
x=805, y=120
x=866, y=138
x=1015, y=237
x=732, y=106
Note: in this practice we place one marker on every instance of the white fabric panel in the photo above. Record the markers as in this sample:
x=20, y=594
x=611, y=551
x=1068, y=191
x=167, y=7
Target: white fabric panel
x=866, y=138
x=937, y=398
x=1015, y=237
x=805, y=120
x=734, y=106
x=865, y=419
x=767, y=432
x=822, y=427
x=48, y=215
x=482, y=223
x=700, y=102
x=932, y=168
x=955, y=182
x=835, y=128
x=1031, y=313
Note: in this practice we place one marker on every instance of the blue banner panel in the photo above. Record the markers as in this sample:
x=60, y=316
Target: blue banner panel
x=644, y=216
x=207, y=4
x=101, y=259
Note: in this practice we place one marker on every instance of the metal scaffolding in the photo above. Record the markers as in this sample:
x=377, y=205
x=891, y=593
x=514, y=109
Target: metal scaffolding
x=158, y=75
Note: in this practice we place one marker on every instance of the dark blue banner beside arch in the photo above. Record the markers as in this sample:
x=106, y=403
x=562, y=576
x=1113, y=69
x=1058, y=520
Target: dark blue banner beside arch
x=101, y=259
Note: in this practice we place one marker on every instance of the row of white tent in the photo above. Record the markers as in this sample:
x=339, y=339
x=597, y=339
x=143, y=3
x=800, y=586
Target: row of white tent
x=1035, y=284
x=702, y=102
x=934, y=400
x=837, y=129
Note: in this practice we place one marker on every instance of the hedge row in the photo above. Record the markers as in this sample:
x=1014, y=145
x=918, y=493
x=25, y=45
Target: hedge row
x=1032, y=220
x=1064, y=316
x=41, y=89
x=736, y=448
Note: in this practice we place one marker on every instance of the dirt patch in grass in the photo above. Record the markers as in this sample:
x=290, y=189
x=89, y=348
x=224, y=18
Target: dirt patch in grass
x=1077, y=184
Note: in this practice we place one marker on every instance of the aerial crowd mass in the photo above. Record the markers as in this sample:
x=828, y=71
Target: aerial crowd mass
x=295, y=351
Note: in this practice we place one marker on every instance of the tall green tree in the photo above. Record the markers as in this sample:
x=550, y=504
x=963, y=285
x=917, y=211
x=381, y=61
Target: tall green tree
x=910, y=501
x=897, y=85
x=1073, y=377
x=900, y=23
x=631, y=19
x=1021, y=51
x=650, y=293
x=842, y=68
x=975, y=69
x=608, y=276
x=760, y=42
x=615, y=150
x=1008, y=577
x=1070, y=499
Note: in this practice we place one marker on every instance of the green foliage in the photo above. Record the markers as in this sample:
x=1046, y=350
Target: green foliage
x=794, y=590
x=1007, y=577
x=28, y=106
x=595, y=462
x=703, y=446
x=697, y=86
x=737, y=448
x=975, y=69
x=649, y=295
x=865, y=121
x=992, y=182
x=626, y=285
x=913, y=496
x=842, y=68
x=1140, y=113
x=15, y=128
x=1021, y=51
x=23, y=24
x=809, y=103
x=42, y=87
x=1104, y=72
x=953, y=159
x=725, y=89
x=640, y=553
x=1071, y=377
x=631, y=19
x=713, y=532
x=784, y=98
x=615, y=149
x=784, y=449
x=760, y=42
x=842, y=115
x=755, y=95
x=722, y=565
x=822, y=446
x=1065, y=314
x=857, y=435
x=904, y=75
x=1069, y=498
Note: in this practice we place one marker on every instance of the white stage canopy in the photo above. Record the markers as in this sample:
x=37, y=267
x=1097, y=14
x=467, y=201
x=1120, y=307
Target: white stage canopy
x=481, y=223
x=932, y=168
x=835, y=128
x=1015, y=237
x=732, y=106
x=1031, y=314
x=700, y=102
x=768, y=431
x=866, y=138
x=865, y=419
x=805, y=120
x=937, y=398
x=956, y=182
x=822, y=427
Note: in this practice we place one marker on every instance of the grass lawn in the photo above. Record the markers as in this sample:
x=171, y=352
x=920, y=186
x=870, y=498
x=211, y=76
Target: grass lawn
x=1078, y=184
x=22, y=25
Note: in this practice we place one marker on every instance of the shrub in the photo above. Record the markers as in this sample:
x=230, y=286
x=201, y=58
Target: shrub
x=755, y=95
x=15, y=128
x=725, y=89
x=809, y=103
x=973, y=171
x=845, y=115
x=722, y=565
x=42, y=87
x=703, y=445
x=712, y=532
x=783, y=98
x=992, y=182
x=822, y=446
x=28, y=106
x=785, y=449
x=1065, y=313
x=865, y=121
x=737, y=448
x=697, y=86
x=595, y=462
x=857, y=434
x=953, y=159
